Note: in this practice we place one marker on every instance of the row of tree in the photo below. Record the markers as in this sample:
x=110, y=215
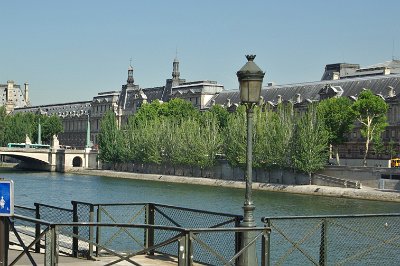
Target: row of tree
x=15, y=127
x=178, y=134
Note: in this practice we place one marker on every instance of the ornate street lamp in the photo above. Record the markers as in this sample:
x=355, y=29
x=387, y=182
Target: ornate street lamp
x=250, y=78
x=88, y=132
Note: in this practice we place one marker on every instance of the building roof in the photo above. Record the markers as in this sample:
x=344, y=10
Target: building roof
x=63, y=109
x=310, y=90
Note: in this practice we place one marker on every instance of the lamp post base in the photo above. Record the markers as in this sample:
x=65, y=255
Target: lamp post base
x=249, y=256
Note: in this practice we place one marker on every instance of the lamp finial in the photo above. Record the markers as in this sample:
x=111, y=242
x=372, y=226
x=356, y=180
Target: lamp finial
x=250, y=57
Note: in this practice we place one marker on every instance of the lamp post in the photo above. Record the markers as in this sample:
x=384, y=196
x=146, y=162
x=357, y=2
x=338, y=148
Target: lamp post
x=40, y=113
x=88, y=132
x=250, y=78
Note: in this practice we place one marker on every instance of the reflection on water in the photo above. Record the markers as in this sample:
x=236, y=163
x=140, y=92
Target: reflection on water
x=59, y=189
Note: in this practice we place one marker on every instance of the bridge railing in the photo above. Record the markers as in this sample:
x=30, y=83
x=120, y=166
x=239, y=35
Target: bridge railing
x=334, y=240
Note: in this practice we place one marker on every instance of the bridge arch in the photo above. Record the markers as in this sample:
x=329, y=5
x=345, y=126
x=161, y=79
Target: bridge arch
x=77, y=161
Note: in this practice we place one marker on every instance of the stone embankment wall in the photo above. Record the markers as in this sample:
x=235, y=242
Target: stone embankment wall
x=375, y=177
x=366, y=176
x=222, y=171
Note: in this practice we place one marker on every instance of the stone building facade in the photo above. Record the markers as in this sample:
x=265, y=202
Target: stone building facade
x=123, y=103
x=338, y=80
x=13, y=96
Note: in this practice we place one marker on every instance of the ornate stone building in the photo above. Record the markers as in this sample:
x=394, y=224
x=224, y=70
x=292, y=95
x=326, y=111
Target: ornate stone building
x=123, y=103
x=12, y=96
x=338, y=80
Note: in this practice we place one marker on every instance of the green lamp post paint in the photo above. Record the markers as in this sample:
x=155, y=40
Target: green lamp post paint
x=250, y=78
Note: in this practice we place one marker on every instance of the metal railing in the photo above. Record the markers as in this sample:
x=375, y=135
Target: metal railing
x=210, y=238
x=334, y=240
x=186, y=241
x=124, y=240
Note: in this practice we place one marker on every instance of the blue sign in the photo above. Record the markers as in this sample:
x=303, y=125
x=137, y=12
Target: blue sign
x=6, y=198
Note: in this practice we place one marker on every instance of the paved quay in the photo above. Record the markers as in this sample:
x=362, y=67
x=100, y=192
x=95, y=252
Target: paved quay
x=142, y=260
x=363, y=193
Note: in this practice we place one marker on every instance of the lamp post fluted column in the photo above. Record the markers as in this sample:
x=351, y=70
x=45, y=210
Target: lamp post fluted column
x=248, y=207
x=250, y=78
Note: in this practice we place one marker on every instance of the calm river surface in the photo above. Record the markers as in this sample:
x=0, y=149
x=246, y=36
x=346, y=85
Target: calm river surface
x=59, y=189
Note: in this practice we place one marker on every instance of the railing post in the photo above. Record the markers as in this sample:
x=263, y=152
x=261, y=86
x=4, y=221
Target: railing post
x=149, y=233
x=75, y=230
x=185, y=251
x=238, y=242
x=51, y=248
x=91, y=231
x=98, y=230
x=266, y=247
x=4, y=240
x=323, y=245
x=37, y=227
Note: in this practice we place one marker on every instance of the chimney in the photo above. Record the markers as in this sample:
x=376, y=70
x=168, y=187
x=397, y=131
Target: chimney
x=26, y=84
x=391, y=92
x=279, y=98
x=10, y=90
x=298, y=98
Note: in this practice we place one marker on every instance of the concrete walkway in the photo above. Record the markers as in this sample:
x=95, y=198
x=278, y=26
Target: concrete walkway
x=363, y=193
x=69, y=261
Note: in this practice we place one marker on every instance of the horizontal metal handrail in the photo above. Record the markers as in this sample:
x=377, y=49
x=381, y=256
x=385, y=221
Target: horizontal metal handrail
x=227, y=229
x=33, y=220
x=158, y=204
x=110, y=204
x=24, y=207
x=53, y=207
x=265, y=219
x=195, y=210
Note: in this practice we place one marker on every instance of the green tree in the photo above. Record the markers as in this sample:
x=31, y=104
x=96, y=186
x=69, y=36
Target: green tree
x=3, y=115
x=370, y=111
x=51, y=125
x=179, y=108
x=18, y=126
x=273, y=134
x=221, y=114
x=234, y=136
x=148, y=144
x=148, y=111
x=111, y=139
x=309, y=143
x=338, y=118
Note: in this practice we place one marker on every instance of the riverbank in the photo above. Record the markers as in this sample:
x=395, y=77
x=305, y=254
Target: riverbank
x=363, y=193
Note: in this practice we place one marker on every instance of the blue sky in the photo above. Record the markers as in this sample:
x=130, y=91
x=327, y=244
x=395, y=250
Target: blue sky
x=71, y=50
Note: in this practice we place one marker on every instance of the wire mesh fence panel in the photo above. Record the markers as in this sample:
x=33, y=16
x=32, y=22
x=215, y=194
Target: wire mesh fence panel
x=24, y=211
x=224, y=244
x=206, y=251
x=294, y=241
x=58, y=215
x=364, y=240
x=82, y=215
x=344, y=240
x=122, y=239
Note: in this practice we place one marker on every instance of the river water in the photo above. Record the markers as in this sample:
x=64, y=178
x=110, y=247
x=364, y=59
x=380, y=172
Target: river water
x=59, y=189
